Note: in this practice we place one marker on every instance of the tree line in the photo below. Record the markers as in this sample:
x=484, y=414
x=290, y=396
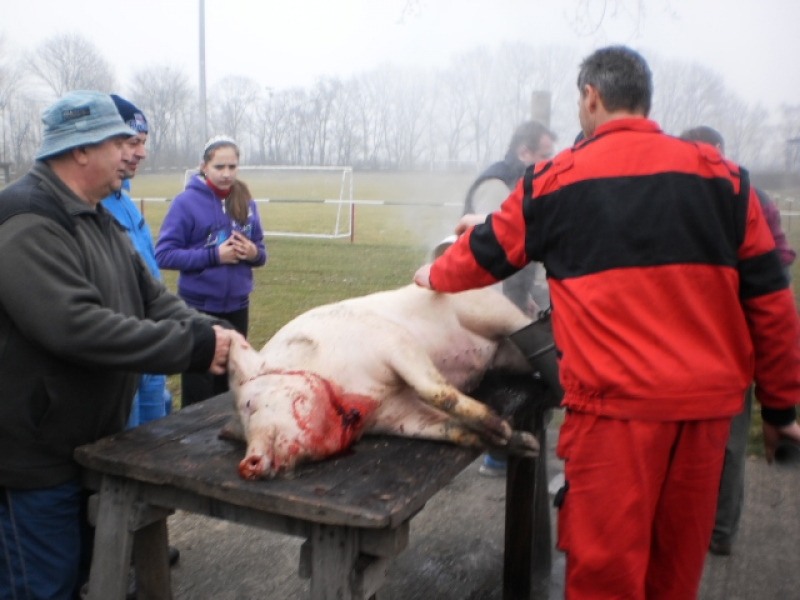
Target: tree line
x=389, y=117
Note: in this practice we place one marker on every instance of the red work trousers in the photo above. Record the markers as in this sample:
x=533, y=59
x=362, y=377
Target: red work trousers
x=637, y=517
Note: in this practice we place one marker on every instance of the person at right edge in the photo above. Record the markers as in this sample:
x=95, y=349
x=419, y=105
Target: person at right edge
x=668, y=299
x=731, y=487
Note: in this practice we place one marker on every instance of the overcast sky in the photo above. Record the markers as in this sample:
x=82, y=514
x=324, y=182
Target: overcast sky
x=755, y=46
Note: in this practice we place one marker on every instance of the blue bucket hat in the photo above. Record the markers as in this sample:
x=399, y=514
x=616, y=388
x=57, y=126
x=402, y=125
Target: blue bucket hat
x=80, y=118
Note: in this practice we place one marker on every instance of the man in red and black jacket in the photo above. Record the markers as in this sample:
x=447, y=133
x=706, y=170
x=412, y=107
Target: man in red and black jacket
x=660, y=263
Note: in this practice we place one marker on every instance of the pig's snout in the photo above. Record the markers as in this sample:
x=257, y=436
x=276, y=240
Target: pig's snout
x=253, y=467
x=258, y=461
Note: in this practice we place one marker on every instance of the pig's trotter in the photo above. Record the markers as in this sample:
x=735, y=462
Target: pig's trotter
x=496, y=430
x=523, y=443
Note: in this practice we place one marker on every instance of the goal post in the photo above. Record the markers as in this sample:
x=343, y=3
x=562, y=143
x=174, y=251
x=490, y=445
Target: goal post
x=300, y=201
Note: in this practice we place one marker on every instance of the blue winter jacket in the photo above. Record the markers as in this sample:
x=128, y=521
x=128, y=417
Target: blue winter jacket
x=196, y=223
x=128, y=215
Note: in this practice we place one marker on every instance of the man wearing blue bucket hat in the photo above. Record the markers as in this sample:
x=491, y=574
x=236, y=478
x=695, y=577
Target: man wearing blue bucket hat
x=80, y=316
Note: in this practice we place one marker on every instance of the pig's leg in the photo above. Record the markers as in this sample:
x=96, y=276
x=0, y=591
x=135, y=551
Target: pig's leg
x=414, y=419
x=406, y=415
x=449, y=430
x=415, y=367
x=233, y=430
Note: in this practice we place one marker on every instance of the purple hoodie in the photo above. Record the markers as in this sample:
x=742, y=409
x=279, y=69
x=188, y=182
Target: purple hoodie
x=195, y=225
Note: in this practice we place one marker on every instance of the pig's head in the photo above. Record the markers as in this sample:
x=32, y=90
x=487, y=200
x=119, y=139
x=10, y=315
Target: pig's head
x=290, y=416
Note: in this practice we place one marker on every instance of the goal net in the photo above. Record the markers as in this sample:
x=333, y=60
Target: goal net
x=301, y=201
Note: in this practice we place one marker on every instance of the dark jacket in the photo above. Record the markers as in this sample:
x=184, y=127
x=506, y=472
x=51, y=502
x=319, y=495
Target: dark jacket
x=80, y=316
x=668, y=295
x=195, y=225
x=519, y=288
x=773, y=216
x=508, y=170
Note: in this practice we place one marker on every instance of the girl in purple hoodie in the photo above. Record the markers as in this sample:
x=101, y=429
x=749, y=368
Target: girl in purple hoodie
x=212, y=234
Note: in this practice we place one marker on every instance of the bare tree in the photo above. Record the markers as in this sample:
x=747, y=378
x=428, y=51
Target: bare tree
x=164, y=94
x=372, y=96
x=588, y=16
x=345, y=120
x=687, y=94
x=410, y=108
x=323, y=99
x=233, y=101
x=71, y=62
x=24, y=131
x=272, y=124
x=788, y=137
x=746, y=131
x=10, y=79
x=296, y=137
x=452, y=110
x=477, y=74
x=524, y=69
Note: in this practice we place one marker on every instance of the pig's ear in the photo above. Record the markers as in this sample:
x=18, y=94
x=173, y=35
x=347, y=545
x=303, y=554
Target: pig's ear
x=233, y=430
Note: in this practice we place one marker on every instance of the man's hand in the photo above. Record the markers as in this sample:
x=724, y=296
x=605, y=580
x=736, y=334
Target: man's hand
x=224, y=337
x=423, y=277
x=467, y=221
x=773, y=435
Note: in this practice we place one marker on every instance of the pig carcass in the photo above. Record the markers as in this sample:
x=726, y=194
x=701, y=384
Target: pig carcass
x=396, y=362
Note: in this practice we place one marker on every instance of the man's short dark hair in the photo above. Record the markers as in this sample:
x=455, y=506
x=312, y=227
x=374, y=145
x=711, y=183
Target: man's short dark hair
x=621, y=77
x=528, y=134
x=706, y=134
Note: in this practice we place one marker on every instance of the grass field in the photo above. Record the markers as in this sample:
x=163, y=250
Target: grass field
x=390, y=242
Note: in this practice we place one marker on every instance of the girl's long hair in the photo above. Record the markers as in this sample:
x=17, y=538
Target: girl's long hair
x=237, y=204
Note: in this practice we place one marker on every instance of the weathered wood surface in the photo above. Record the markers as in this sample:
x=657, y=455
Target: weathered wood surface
x=380, y=483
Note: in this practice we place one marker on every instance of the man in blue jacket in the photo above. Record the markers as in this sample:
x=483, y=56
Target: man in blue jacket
x=152, y=400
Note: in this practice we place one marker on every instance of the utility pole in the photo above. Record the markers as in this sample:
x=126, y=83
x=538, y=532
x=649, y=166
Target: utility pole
x=203, y=118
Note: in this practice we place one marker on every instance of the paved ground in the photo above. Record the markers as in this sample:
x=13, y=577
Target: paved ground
x=456, y=548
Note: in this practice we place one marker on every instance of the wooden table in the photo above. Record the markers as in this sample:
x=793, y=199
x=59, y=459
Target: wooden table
x=353, y=510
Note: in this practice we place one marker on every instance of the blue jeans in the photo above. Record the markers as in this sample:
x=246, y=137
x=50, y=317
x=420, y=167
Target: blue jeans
x=45, y=543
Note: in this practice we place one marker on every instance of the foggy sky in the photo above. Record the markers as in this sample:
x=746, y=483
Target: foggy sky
x=753, y=45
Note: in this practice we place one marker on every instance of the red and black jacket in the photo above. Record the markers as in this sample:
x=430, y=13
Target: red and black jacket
x=668, y=295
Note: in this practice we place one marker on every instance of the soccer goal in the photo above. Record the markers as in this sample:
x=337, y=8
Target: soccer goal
x=311, y=202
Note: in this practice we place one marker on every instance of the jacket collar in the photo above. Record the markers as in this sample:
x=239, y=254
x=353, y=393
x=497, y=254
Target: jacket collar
x=628, y=124
x=71, y=201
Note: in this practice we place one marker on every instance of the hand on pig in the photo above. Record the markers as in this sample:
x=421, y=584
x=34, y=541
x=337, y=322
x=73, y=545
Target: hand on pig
x=467, y=221
x=423, y=277
x=224, y=339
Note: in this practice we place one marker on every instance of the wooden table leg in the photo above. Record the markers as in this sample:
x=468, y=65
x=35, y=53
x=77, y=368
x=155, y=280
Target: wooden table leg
x=113, y=540
x=152, y=562
x=528, y=555
x=334, y=552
